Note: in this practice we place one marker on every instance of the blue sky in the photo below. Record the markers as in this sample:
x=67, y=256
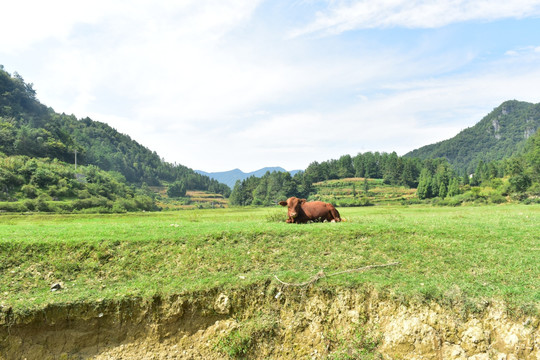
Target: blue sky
x=223, y=84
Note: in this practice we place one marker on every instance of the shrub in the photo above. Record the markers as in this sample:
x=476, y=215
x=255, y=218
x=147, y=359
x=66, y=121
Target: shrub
x=93, y=202
x=43, y=177
x=520, y=182
x=42, y=205
x=29, y=191
x=143, y=202
x=13, y=206
x=30, y=205
x=177, y=189
x=532, y=200
x=496, y=198
x=454, y=201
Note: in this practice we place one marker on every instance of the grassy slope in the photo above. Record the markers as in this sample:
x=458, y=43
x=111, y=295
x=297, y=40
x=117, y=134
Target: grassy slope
x=445, y=253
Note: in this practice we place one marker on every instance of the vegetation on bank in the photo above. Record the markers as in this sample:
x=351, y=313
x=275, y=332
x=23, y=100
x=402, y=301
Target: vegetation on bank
x=45, y=185
x=466, y=255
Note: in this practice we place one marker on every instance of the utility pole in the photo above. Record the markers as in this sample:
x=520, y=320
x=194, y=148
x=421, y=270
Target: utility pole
x=75, y=159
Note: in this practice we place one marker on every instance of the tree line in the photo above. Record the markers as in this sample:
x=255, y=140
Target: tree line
x=433, y=178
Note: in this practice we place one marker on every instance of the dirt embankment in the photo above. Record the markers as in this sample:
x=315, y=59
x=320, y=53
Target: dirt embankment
x=265, y=321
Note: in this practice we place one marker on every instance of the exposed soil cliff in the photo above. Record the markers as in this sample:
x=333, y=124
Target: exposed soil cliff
x=265, y=321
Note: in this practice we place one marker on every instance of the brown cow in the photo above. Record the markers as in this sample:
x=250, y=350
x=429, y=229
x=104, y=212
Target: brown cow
x=301, y=211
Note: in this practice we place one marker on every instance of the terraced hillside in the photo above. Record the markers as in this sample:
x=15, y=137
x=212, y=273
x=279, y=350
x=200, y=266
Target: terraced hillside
x=360, y=192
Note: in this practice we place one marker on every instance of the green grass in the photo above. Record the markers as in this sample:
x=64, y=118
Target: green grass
x=451, y=255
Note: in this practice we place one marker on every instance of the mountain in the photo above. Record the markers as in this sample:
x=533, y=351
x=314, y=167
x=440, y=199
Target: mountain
x=499, y=135
x=232, y=176
x=30, y=128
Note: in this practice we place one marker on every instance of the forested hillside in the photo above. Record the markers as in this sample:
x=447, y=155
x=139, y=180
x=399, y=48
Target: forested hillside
x=29, y=128
x=514, y=178
x=50, y=185
x=499, y=135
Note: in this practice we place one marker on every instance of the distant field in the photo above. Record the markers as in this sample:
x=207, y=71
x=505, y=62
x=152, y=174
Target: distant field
x=461, y=254
x=352, y=191
x=193, y=199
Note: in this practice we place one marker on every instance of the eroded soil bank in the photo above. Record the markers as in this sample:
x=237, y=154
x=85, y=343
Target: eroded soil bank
x=268, y=322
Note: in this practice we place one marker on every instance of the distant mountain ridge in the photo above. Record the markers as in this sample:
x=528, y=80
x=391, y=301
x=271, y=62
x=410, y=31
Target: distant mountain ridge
x=232, y=176
x=499, y=135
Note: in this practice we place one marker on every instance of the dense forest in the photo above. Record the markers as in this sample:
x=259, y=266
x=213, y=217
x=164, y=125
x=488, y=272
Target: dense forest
x=29, y=128
x=499, y=135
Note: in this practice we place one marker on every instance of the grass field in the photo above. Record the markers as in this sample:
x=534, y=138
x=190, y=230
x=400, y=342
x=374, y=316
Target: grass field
x=452, y=255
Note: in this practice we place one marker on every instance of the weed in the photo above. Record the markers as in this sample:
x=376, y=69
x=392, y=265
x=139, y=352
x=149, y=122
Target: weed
x=360, y=345
x=236, y=344
x=276, y=216
x=239, y=342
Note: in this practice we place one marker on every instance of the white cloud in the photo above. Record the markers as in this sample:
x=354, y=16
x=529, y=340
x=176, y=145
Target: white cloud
x=343, y=16
x=524, y=51
x=217, y=84
x=26, y=22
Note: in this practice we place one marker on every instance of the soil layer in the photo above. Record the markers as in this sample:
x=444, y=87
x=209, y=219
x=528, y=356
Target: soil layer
x=266, y=321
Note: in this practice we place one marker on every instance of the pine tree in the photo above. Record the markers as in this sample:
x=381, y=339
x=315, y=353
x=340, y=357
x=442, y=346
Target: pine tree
x=453, y=188
x=424, y=184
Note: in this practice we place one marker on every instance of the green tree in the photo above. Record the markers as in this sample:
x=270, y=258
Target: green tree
x=424, y=184
x=443, y=190
x=410, y=173
x=366, y=187
x=453, y=188
x=177, y=189
x=345, y=167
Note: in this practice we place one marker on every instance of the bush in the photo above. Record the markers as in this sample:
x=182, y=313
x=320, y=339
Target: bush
x=118, y=207
x=13, y=206
x=29, y=191
x=532, y=200
x=411, y=201
x=93, y=202
x=177, y=189
x=42, y=205
x=43, y=177
x=454, y=201
x=144, y=202
x=520, y=182
x=30, y=205
x=534, y=189
x=496, y=198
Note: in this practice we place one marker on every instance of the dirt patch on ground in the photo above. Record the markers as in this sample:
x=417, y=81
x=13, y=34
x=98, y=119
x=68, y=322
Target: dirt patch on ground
x=266, y=321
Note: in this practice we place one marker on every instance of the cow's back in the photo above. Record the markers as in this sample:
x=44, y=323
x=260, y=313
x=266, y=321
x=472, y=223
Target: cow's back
x=320, y=210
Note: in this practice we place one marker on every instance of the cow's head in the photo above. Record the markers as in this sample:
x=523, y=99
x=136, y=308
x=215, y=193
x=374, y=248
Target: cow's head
x=294, y=206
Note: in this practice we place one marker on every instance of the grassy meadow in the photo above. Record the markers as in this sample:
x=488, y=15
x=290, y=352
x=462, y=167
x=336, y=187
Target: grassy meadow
x=465, y=254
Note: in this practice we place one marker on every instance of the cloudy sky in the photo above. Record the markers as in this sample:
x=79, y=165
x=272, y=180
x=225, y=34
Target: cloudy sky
x=222, y=84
